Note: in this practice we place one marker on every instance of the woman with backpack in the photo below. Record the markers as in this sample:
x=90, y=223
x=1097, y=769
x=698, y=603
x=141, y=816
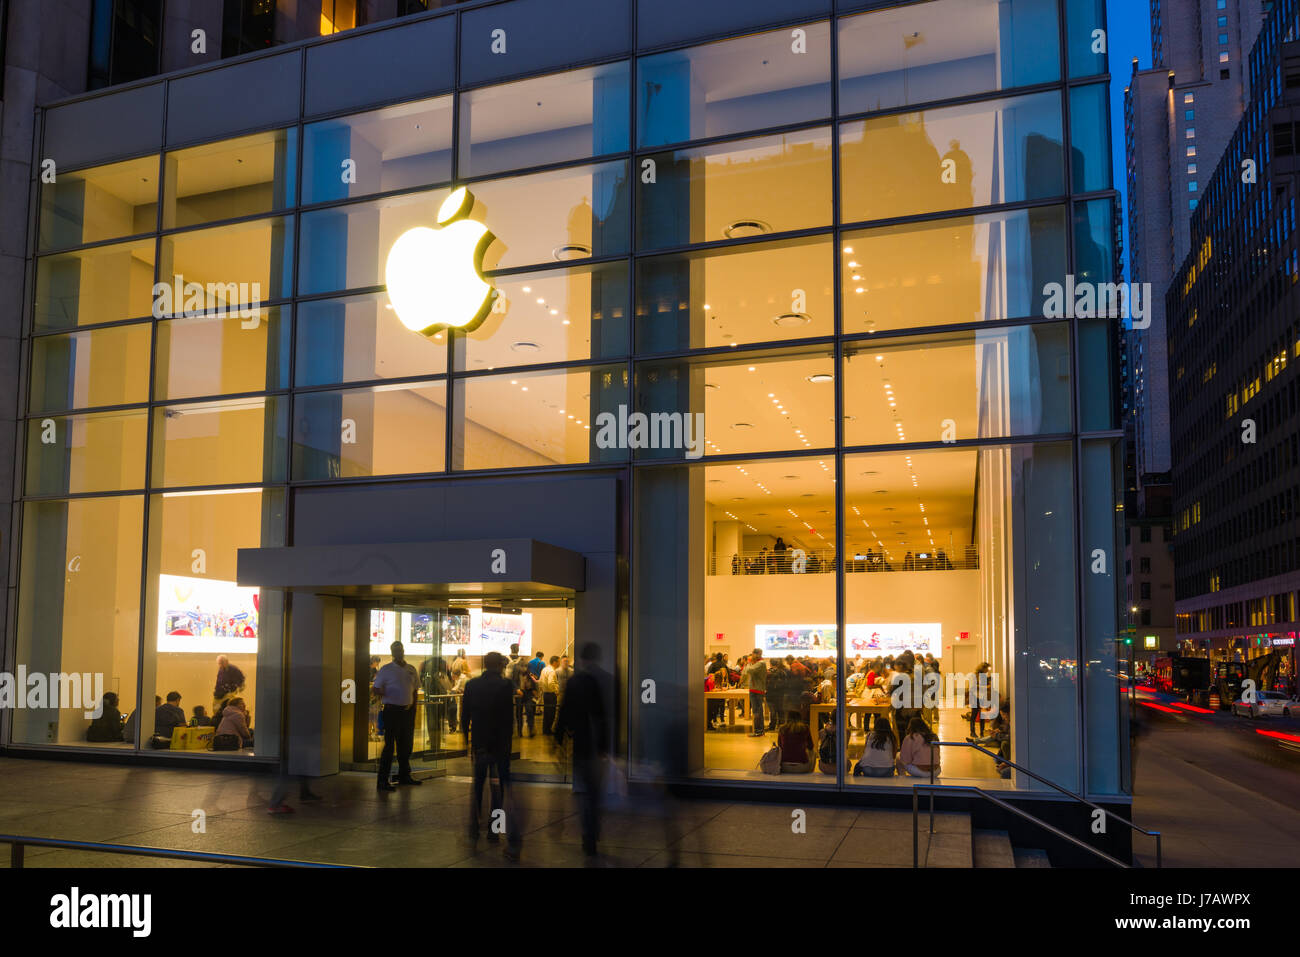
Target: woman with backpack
x=796, y=744
x=826, y=748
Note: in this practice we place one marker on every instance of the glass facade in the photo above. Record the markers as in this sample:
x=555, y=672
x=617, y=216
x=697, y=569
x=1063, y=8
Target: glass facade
x=812, y=256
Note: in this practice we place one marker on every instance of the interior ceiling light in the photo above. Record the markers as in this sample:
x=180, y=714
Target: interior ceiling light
x=746, y=227
x=791, y=320
x=525, y=347
x=743, y=425
x=819, y=377
x=570, y=251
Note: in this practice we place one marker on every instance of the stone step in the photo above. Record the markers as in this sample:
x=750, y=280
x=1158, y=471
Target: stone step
x=1032, y=857
x=992, y=849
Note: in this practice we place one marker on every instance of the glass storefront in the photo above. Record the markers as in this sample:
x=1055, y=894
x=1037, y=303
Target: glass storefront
x=787, y=287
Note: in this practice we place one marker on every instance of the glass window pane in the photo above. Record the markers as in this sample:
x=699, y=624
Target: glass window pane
x=559, y=315
x=79, y=612
x=958, y=386
x=359, y=338
x=101, y=452
x=346, y=247
x=1090, y=138
x=956, y=157
x=735, y=190
x=397, y=147
x=756, y=403
x=736, y=295
x=196, y=615
x=964, y=269
x=227, y=442
x=107, y=202
x=103, y=284
x=731, y=559
x=1098, y=364
x=1100, y=481
x=385, y=430
x=1094, y=241
x=547, y=119
x=1084, y=20
x=223, y=355
x=85, y=369
x=764, y=80
x=536, y=418
x=930, y=51
x=232, y=178
x=235, y=266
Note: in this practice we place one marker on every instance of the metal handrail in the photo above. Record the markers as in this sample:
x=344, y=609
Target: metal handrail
x=1042, y=780
x=917, y=788
x=18, y=844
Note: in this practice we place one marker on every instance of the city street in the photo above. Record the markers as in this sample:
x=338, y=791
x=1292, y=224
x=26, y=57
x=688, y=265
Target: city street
x=1220, y=791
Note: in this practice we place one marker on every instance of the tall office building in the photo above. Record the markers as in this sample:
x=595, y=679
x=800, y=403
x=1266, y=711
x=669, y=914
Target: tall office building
x=805, y=244
x=1234, y=344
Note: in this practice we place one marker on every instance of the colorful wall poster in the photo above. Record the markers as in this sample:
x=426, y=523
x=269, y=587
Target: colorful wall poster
x=802, y=641
x=206, y=615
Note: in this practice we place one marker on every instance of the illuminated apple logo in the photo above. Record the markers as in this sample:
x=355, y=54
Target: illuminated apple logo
x=435, y=276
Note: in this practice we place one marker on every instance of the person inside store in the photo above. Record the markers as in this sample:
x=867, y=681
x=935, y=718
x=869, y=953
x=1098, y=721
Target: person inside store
x=521, y=676
x=914, y=754
x=735, y=563
x=549, y=686
x=562, y=675
x=716, y=679
x=486, y=718
x=976, y=706
x=826, y=747
x=230, y=680
x=537, y=664
x=755, y=679
x=233, y=728
x=108, y=726
x=456, y=715
x=999, y=739
x=167, y=717
x=778, y=551
x=199, y=718
x=395, y=685
x=780, y=685
x=796, y=744
x=435, y=679
x=881, y=750
x=459, y=664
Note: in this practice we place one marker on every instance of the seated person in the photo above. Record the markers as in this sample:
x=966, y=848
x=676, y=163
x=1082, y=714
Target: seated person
x=200, y=718
x=108, y=726
x=165, y=718
x=234, y=721
x=914, y=754
x=878, y=756
x=826, y=747
x=796, y=744
x=999, y=739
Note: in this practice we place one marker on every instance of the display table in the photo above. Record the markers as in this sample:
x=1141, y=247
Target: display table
x=854, y=706
x=731, y=696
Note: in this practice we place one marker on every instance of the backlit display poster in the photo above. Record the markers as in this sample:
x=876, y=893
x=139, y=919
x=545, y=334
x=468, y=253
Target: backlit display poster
x=203, y=615
x=884, y=640
x=383, y=631
x=802, y=641
x=493, y=631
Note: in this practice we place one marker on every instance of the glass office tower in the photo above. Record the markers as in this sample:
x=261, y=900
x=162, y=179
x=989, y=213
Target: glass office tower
x=811, y=245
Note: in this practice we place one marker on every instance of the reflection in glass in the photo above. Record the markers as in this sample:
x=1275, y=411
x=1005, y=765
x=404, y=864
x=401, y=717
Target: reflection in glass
x=196, y=612
x=753, y=82
x=100, y=452
x=932, y=51
x=385, y=430
x=963, y=269
x=957, y=386
x=224, y=442
x=1089, y=137
x=398, y=147
x=106, y=202
x=103, y=284
x=767, y=403
x=736, y=190
x=359, y=338
x=222, y=355
x=549, y=119
x=108, y=366
x=237, y=265
x=79, y=611
x=1100, y=479
x=559, y=315
x=735, y=295
x=955, y=157
x=536, y=418
x=232, y=178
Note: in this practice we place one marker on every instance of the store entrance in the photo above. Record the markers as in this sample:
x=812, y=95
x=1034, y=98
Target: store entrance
x=445, y=639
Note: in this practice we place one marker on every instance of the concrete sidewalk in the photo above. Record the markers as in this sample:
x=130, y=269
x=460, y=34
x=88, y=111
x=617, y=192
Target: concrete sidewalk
x=424, y=826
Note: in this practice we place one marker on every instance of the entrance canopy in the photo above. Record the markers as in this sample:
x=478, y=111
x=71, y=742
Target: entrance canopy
x=478, y=568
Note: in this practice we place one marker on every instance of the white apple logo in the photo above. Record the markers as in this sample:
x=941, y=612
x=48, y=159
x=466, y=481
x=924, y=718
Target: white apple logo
x=435, y=276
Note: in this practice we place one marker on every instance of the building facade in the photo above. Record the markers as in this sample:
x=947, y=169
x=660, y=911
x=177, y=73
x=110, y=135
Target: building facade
x=766, y=365
x=1233, y=343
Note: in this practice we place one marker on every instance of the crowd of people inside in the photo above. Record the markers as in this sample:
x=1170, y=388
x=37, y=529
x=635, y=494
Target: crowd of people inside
x=779, y=560
x=781, y=698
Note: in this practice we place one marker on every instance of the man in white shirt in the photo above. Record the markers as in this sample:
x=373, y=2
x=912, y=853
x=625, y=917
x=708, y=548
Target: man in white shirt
x=549, y=683
x=395, y=684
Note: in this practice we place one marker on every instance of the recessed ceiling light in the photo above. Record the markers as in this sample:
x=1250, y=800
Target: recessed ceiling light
x=746, y=227
x=570, y=251
x=525, y=347
x=790, y=320
x=742, y=425
x=819, y=377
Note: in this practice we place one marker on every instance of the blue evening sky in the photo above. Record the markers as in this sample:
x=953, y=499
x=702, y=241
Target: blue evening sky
x=1129, y=32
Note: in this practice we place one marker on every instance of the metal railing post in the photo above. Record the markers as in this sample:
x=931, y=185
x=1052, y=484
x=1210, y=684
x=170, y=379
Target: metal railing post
x=15, y=855
x=932, y=748
x=916, y=813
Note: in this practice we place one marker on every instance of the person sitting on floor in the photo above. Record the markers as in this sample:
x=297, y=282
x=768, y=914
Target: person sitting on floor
x=796, y=744
x=914, y=754
x=878, y=756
